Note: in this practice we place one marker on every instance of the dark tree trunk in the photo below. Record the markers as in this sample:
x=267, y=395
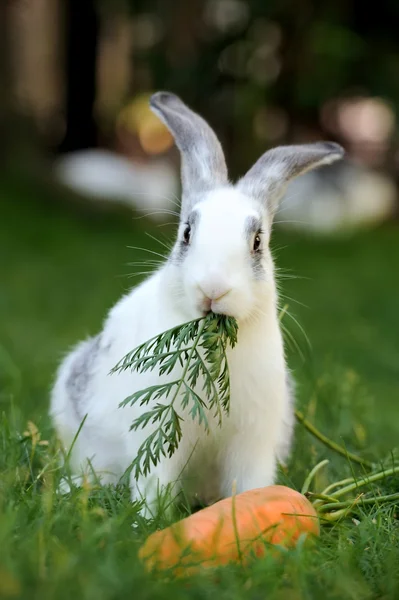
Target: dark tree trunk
x=81, y=54
x=4, y=84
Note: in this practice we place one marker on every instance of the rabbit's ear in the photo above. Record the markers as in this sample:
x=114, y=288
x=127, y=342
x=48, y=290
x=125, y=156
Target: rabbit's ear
x=203, y=164
x=267, y=180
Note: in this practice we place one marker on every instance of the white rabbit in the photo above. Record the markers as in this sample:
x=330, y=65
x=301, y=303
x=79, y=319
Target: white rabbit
x=105, y=176
x=220, y=262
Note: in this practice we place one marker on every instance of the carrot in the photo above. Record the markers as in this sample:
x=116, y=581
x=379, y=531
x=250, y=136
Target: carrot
x=232, y=530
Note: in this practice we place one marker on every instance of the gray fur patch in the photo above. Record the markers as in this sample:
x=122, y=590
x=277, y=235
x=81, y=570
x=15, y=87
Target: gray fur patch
x=180, y=249
x=193, y=218
x=257, y=267
x=81, y=373
x=252, y=226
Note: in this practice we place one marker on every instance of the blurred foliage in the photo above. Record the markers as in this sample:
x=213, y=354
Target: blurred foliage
x=230, y=58
x=262, y=73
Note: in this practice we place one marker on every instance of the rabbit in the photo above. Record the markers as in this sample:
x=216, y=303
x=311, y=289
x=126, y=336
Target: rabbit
x=220, y=262
x=148, y=187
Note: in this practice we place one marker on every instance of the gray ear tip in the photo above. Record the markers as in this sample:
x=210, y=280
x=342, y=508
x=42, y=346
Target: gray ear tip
x=333, y=150
x=161, y=99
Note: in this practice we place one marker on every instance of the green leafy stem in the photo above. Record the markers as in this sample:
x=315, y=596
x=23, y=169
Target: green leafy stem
x=198, y=350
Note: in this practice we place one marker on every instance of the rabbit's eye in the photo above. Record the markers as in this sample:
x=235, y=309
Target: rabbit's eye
x=257, y=242
x=187, y=234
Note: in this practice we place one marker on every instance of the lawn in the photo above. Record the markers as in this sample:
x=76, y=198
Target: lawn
x=61, y=269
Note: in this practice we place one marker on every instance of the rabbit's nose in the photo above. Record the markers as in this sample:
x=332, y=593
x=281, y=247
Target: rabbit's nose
x=214, y=293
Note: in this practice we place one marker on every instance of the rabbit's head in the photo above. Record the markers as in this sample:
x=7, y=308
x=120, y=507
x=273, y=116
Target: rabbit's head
x=221, y=260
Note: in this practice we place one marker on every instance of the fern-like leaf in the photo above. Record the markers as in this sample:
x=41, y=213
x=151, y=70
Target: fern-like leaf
x=199, y=348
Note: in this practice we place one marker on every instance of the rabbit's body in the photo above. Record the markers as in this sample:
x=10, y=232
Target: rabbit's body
x=221, y=262
x=243, y=449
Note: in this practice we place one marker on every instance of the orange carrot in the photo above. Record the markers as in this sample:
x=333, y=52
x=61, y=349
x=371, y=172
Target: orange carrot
x=232, y=530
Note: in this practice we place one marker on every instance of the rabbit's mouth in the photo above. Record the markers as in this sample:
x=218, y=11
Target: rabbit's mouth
x=206, y=306
x=216, y=308
x=215, y=303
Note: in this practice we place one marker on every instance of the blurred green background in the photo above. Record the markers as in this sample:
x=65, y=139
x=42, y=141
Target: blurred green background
x=75, y=79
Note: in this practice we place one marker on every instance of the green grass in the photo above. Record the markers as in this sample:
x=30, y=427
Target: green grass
x=60, y=270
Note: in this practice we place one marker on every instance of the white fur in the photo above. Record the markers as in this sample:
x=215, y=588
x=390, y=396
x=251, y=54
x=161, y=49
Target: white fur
x=258, y=429
x=217, y=270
